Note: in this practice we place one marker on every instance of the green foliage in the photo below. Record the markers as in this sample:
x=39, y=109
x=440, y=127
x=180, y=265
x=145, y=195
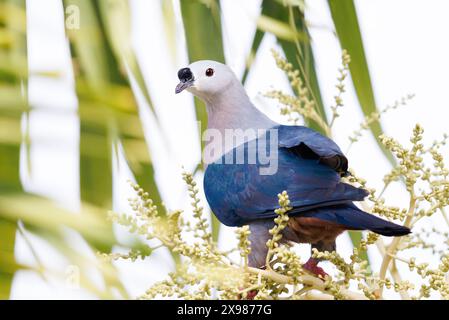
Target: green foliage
x=286, y=21
x=13, y=101
x=108, y=111
x=347, y=26
x=202, y=29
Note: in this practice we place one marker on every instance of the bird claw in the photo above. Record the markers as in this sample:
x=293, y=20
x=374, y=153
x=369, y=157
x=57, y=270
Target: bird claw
x=250, y=295
x=312, y=266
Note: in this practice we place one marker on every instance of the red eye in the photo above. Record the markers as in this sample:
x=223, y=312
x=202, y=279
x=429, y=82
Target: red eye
x=210, y=72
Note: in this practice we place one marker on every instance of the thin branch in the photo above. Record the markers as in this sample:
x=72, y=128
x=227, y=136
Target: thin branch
x=392, y=247
x=314, y=282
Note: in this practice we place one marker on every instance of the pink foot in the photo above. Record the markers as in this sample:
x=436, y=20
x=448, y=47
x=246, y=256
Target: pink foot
x=249, y=295
x=312, y=266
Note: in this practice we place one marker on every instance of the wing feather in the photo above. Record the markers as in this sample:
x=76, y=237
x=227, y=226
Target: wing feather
x=239, y=193
x=313, y=145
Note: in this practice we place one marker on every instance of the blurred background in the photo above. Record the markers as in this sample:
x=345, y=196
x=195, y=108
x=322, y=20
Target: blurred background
x=87, y=102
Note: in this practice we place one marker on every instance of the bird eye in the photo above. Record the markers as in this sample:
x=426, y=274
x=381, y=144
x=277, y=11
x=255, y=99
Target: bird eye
x=210, y=72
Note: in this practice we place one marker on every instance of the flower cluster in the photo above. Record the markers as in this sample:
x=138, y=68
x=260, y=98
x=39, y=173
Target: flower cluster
x=303, y=104
x=375, y=117
x=343, y=73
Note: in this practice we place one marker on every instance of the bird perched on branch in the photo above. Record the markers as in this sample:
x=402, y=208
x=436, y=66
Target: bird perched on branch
x=250, y=159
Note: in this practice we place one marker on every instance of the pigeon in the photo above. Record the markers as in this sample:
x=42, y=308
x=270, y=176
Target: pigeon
x=241, y=185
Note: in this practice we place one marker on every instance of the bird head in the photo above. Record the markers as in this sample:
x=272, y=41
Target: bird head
x=205, y=78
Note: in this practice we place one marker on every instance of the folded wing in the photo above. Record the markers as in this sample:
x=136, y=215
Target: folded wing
x=239, y=193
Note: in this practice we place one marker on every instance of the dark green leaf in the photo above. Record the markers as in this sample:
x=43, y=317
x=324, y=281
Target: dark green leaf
x=13, y=55
x=202, y=25
x=347, y=26
x=298, y=50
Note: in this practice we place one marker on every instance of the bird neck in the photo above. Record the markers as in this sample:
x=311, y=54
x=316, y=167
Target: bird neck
x=231, y=117
x=232, y=109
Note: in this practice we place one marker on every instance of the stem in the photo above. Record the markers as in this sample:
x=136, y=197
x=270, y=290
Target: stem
x=41, y=267
x=397, y=278
x=314, y=282
x=322, y=124
x=443, y=212
x=304, y=290
x=383, y=190
x=254, y=287
x=349, y=147
x=316, y=296
x=392, y=247
x=334, y=116
x=398, y=258
x=302, y=69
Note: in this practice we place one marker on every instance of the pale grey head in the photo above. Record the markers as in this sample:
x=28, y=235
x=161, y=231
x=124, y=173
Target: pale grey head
x=227, y=104
x=205, y=78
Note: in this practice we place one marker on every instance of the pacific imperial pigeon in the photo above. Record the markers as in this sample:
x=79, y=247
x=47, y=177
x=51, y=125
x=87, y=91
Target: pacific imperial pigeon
x=241, y=185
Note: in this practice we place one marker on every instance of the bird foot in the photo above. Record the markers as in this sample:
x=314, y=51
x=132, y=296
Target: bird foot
x=250, y=295
x=312, y=266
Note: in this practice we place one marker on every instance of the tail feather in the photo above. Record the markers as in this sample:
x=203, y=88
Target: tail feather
x=355, y=219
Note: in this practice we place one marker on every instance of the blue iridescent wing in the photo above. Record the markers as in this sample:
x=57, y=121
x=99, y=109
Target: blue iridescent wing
x=239, y=193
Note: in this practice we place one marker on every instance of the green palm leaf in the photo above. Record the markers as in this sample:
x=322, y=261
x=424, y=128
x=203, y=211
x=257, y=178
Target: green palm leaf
x=347, y=26
x=13, y=54
x=202, y=25
x=93, y=62
x=290, y=29
x=107, y=107
x=115, y=16
x=106, y=99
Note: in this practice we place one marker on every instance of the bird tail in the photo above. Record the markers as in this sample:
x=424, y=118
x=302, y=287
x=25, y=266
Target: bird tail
x=355, y=219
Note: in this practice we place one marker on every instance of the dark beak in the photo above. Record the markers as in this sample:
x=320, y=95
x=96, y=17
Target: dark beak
x=183, y=85
x=185, y=75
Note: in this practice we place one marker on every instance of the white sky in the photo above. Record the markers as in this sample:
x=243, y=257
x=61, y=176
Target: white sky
x=406, y=48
